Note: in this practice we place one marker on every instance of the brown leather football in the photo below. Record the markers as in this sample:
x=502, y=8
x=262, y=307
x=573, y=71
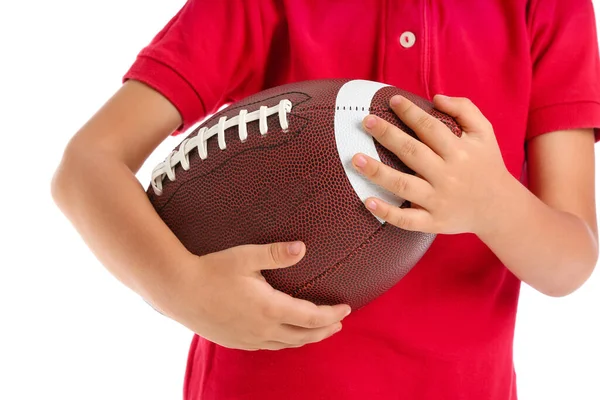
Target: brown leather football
x=276, y=167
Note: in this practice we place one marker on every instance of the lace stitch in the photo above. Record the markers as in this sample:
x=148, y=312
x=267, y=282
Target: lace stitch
x=180, y=156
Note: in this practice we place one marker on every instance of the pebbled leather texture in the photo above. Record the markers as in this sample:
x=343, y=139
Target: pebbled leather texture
x=291, y=185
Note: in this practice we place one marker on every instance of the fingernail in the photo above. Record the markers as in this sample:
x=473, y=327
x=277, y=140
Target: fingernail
x=441, y=96
x=339, y=328
x=371, y=205
x=295, y=248
x=370, y=121
x=348, y=311
x=360, y=161
x=395, y=100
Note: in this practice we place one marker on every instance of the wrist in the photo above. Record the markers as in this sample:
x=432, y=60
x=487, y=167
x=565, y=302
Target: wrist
x=160, y=284
x=504, y=207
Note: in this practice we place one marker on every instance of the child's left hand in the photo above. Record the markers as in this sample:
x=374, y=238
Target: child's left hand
x=458, y=180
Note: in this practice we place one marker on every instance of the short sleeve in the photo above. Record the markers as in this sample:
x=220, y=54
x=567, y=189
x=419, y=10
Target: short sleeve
x=209, y=53
x=565, y=91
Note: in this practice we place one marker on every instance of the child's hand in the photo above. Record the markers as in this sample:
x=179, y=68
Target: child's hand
x=458, y=178
x=224, y=298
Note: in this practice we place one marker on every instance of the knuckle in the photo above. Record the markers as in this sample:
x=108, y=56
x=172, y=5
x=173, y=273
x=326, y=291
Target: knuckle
x=384, y=129
x=425, y=122
x=376, y=170
x=275, y=253
x=272, y=312
x=450, y=183
x=462, y=155
x=407, y=149
x=400, y=184
x=313, y=321
x=386, y=214
x=401, y=221
x=406, y=107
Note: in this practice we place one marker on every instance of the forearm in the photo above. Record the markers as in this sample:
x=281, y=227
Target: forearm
x=552, y=251
x=110, y=210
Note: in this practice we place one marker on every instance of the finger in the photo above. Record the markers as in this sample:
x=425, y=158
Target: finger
x=270, y=256
x=406, y=186
x=433, y=132
x=275, y=345
x=303, y=313
x=297, y=336
x=416, y=155
x=410, y=219
x=268, y=345
x=468, y=116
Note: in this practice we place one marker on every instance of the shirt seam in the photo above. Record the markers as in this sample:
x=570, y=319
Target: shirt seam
x=148, y=55
x=541, y=108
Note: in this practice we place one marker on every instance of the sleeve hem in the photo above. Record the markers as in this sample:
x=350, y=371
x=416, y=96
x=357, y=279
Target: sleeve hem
x=170, y=84
x=564, y=116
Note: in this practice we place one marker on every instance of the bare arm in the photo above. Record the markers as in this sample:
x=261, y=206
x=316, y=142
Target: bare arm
x=95, y=186
x=221, y=296
x=550, y=241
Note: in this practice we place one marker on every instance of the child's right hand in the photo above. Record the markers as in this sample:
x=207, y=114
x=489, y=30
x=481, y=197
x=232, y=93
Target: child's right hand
x=221, y=296
x=224, y=298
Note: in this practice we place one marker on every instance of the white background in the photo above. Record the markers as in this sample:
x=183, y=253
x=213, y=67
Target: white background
x=68, y=329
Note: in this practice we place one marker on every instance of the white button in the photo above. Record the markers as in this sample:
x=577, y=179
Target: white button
x=407, y=39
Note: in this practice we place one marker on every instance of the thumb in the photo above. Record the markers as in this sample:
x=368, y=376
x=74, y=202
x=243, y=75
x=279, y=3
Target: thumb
x=273, y=255
x=468, y=116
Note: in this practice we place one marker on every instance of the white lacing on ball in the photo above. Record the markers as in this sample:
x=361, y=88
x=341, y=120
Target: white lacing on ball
x=180, y=156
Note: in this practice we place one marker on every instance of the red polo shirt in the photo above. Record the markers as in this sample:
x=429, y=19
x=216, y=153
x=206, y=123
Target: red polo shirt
x=446, y=330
